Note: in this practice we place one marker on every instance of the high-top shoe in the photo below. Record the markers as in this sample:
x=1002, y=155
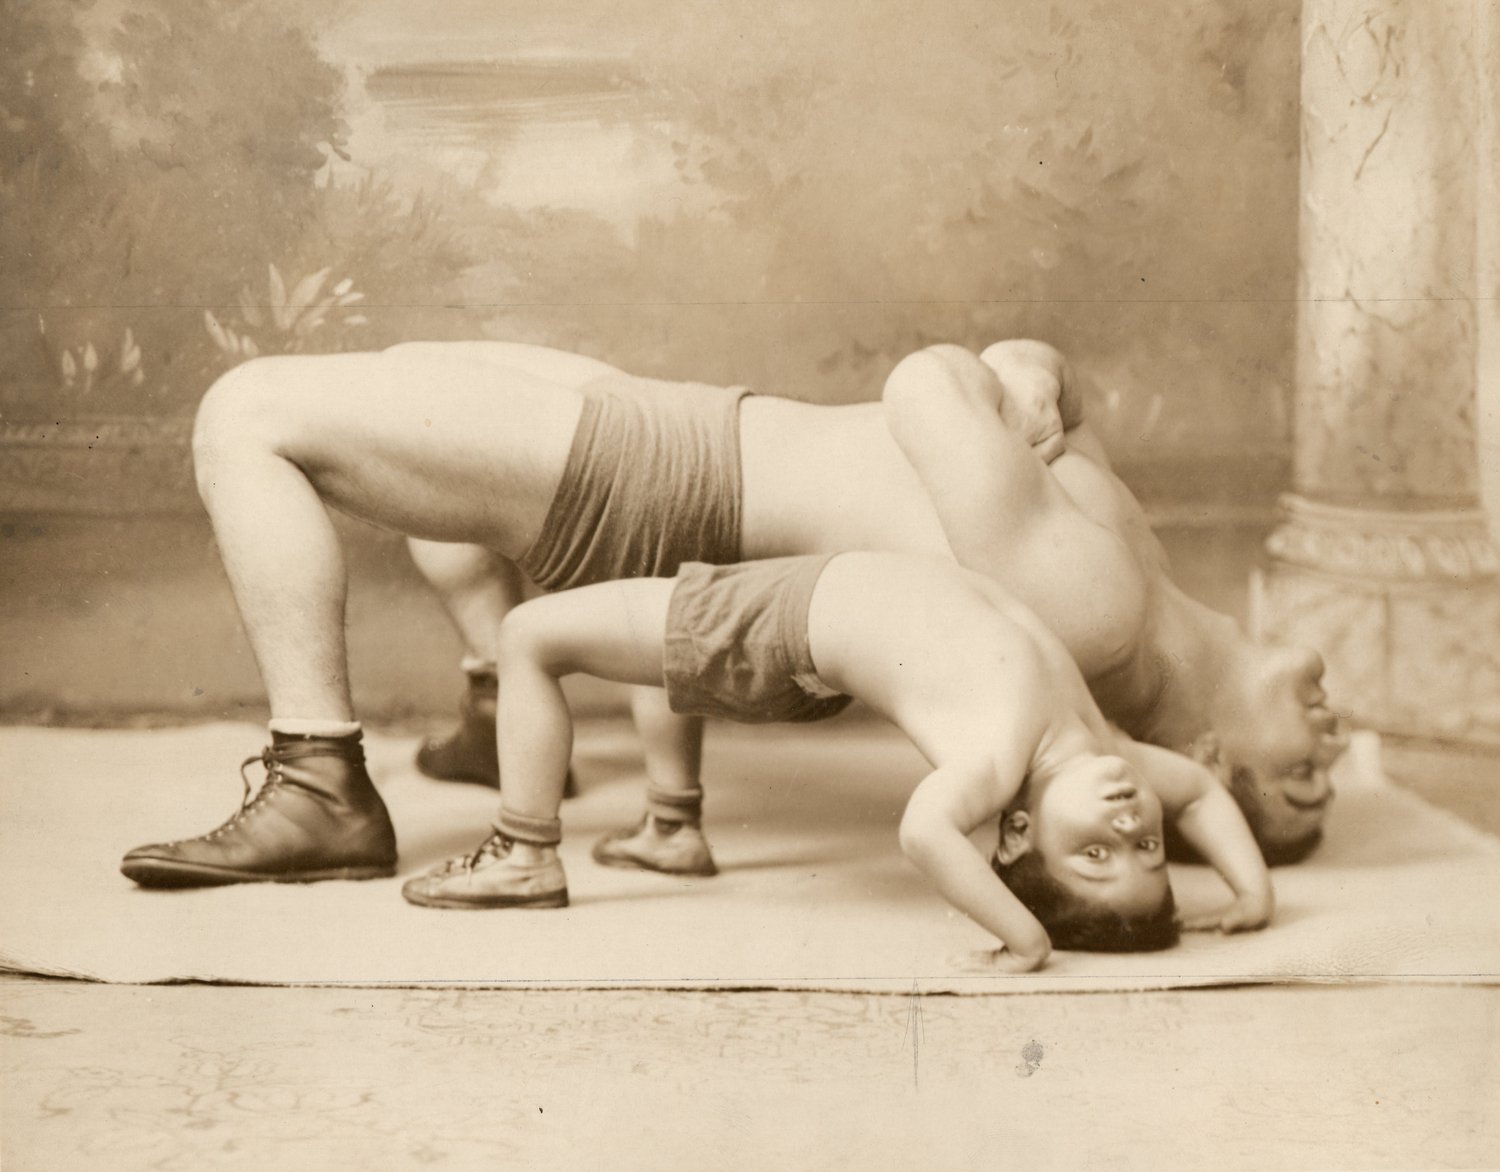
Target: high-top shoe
x=317, y=816
x=490, y=878
x=468, y=753
x=673, y=848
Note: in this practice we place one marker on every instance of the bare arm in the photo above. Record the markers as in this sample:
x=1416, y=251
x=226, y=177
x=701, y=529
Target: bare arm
x=1208, y=818
x=942, y=406
x=945, y=808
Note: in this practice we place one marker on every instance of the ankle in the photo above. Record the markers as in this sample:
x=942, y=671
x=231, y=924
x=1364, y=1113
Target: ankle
x=482, y=676
x=321, y=727
x=666, y=827
x=532, y=854
x=666, y=807
x=529, y=829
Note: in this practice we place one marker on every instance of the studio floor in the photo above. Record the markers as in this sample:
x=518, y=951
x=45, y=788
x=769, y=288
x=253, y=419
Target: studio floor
x=1337, y=1075
x=189, y=1077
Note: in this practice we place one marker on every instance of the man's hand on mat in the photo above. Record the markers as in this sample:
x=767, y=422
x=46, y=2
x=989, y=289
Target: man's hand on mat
x=992, y=961
x=1245, y=914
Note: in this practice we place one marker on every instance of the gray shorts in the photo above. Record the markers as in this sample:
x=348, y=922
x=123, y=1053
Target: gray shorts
x=652, y=481
x=737, y=646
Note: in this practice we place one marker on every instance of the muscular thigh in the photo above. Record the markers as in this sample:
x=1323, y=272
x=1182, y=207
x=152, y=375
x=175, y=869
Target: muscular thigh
x=612, y=630
x=432, y=443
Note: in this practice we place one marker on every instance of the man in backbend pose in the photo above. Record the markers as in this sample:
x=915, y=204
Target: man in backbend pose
x=579, y=473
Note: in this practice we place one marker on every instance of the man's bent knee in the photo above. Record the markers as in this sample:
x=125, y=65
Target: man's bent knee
x=246, y=410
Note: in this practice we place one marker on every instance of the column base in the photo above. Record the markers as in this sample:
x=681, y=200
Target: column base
x=1405, y=608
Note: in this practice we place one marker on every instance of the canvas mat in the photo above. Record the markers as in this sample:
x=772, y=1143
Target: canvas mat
x=813, y=892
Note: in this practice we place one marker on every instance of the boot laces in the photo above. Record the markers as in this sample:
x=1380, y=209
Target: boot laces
x=248, y=802
x=272, y=757
x=494, y=848
x=272, y=762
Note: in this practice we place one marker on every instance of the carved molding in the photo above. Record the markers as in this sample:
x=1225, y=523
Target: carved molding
x=103, y=429
x=1385, y=546
x=1412, y=659
x=108, y=465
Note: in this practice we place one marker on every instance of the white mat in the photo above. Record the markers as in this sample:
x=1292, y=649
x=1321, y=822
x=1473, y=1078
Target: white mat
x=814, y=892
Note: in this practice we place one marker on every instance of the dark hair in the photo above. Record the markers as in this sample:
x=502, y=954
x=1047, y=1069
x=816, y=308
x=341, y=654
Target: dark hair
x=1075, y=924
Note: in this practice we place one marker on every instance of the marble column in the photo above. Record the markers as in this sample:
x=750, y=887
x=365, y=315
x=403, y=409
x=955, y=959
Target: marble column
x=1383, y=558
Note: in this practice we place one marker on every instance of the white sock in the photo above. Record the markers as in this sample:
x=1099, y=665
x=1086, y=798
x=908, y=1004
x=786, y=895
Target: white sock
x=472, y=664
x=297, y=727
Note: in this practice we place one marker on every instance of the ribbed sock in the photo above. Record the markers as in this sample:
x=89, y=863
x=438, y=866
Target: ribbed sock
x=524, y=828
x=674, y=805
x=474, y=666
x=296, y=726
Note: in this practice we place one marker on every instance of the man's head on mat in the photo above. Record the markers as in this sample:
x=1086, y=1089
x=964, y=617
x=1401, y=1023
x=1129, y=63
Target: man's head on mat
x=1285, y=830
x=1277, y=735
x=1082, y=849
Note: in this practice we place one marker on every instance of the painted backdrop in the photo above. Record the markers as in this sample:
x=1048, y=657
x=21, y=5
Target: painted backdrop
x=784, y=194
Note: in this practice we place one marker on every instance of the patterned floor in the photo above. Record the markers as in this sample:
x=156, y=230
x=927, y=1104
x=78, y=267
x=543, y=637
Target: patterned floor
x=118, y=1078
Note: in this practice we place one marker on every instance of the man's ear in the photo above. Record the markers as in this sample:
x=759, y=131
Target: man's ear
x=1015, y=836
x=1206, y=750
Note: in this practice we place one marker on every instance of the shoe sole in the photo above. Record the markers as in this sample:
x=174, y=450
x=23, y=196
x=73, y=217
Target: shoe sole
x=625, y=863
x=450, y=903
x=160, y=873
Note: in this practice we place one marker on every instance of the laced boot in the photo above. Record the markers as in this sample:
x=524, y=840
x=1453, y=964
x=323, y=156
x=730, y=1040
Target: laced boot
x=658, y=844
x=490, y=878
x=468, y=753
x=317, y=816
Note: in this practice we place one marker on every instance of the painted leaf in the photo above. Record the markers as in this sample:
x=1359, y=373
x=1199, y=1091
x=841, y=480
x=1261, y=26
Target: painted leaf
x=248, y=309
x=306, y=290
x=279, y=312
x=216, y=332
x=307, y=323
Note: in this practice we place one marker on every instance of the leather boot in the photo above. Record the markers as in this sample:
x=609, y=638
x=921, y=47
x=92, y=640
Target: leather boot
x=317, y=816
x=468, y=753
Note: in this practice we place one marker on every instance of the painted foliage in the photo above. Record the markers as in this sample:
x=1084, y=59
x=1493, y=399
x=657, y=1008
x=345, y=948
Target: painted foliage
x=782, y=194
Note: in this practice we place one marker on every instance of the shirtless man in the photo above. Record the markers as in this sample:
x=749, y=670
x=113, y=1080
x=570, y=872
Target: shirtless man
x=490, y=444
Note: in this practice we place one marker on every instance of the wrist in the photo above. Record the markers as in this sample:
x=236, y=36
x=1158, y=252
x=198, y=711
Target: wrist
x=1259, y=900
x=1035, y=949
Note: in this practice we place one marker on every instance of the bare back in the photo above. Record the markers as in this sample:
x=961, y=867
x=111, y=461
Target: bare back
x=828, y=479
x=959, y=665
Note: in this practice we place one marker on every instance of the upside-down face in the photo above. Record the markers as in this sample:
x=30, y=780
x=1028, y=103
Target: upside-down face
x=1280, y=743
x=1099, y=830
